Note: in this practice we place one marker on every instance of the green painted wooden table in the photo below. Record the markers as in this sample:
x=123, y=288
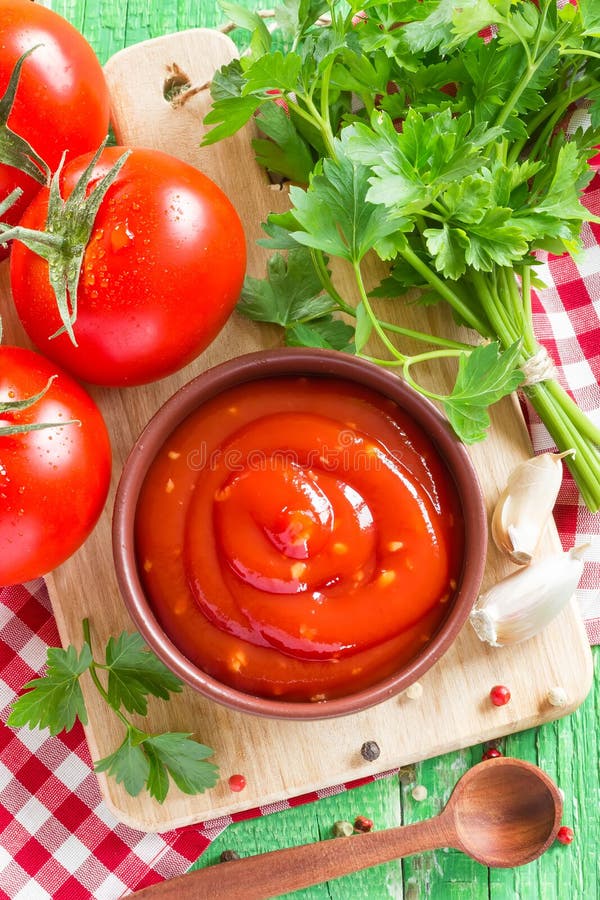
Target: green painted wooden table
x=566, y=749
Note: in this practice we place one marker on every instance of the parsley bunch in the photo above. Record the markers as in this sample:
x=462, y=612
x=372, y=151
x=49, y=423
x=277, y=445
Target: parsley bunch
x=143, y=760
x=429, y=134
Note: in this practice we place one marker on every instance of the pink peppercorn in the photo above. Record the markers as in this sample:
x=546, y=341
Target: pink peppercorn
x=499, y=695
x=565, y=835
x=237, y=783
x=491, y=753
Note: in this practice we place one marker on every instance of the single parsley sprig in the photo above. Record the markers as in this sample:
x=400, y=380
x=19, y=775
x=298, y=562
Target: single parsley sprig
x=434, y=131
x=133, y=673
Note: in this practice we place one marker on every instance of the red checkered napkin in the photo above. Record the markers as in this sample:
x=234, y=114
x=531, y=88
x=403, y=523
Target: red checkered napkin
x=566, y=318
x=58, y=841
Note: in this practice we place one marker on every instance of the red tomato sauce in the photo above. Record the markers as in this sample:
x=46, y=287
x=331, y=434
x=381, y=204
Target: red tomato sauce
x=299, y=538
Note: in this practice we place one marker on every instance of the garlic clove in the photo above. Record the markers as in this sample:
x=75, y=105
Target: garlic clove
x=523, y=603
x=525, y=505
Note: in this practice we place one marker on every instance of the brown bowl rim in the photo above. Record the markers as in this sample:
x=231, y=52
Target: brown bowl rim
x=297, y=361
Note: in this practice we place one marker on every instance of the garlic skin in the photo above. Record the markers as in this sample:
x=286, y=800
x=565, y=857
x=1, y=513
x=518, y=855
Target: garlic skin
x=522, y=604
x=526, y=504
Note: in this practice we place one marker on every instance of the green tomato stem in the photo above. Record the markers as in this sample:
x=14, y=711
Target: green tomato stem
x=44, y=238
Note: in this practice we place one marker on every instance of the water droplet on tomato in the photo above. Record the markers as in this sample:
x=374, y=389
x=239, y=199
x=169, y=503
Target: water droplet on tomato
x=121, y=236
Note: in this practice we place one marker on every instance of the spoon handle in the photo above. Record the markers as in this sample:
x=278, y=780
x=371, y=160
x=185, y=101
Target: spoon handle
x=281, y=871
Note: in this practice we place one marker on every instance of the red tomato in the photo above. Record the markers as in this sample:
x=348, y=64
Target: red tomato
x=62, y=100
x=53, y=482
x=162, y=272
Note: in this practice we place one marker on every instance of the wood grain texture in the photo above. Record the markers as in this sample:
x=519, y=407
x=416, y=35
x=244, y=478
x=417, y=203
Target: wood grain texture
x=567, y=748
x=282, y=759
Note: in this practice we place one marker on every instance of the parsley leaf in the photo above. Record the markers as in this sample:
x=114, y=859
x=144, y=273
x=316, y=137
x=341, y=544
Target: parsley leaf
x=485, y=375
x=185, y=761
x=286, y=152
x=134, y=672
x=147, y=761
x=292, y=291
x=54, y=701
x=128, y=765
x=292, y=296
x=325, y=332
x=441, y=146
x=335, y=214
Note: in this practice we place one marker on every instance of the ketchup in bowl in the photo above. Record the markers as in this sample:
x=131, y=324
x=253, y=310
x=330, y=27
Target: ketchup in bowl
x=299, y=537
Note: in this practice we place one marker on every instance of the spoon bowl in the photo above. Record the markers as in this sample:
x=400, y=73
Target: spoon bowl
x=503, y=813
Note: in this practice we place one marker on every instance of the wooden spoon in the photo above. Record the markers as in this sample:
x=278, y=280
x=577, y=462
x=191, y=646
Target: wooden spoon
x=503, y=813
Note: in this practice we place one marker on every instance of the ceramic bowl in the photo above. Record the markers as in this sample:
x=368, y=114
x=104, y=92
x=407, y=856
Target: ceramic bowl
x=273, y=364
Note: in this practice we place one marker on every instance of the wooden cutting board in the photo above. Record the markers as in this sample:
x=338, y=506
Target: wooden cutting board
x=282, y=759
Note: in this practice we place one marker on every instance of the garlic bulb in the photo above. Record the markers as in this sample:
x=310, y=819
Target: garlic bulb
x=523, y=603
x=525, y=505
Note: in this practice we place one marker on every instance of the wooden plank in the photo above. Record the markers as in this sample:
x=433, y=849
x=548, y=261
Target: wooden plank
x=282, y=759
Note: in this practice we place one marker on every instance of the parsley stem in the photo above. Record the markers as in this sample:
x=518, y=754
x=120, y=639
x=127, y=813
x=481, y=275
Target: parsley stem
x=369, y=310
x=580, y=53
x=530, y=70
x=585, y=465
x=528, y=330
x=315, y=118
x=328, y=285
x=425, y=357
x=94, y=676
x=442, y=288
x=493, y=308
x=325, y=117
x=582, y=422
x=514, y=301
x=434, y=339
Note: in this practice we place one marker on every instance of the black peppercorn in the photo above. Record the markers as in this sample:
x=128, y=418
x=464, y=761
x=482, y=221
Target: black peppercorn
x=370, y=751
x=228, y=855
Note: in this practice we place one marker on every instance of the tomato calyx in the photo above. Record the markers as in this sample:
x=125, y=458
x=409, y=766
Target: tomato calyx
x=14, y=150
x=12, y=406
x=69, y=225
x=9, y=201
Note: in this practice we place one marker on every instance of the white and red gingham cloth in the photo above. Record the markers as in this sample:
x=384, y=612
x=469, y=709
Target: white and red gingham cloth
x=58, y=841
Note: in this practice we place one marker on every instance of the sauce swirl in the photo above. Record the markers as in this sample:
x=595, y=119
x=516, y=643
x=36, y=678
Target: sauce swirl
x=299, y=537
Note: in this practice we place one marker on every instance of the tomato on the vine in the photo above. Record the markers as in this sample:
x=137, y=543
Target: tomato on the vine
x=53, y=481
x=62, y=100
x=161, y=273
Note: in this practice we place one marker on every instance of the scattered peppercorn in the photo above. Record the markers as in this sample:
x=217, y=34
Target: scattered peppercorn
x=361, y=823
x=406, y=774
x=491, y=753
x=370, y=751
x=415, y=691
x=237, y=783
x=342, y=829
x=499, y=695
x=557, y=696
x=419, y=793
x=565, y=835
x=228, y=855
